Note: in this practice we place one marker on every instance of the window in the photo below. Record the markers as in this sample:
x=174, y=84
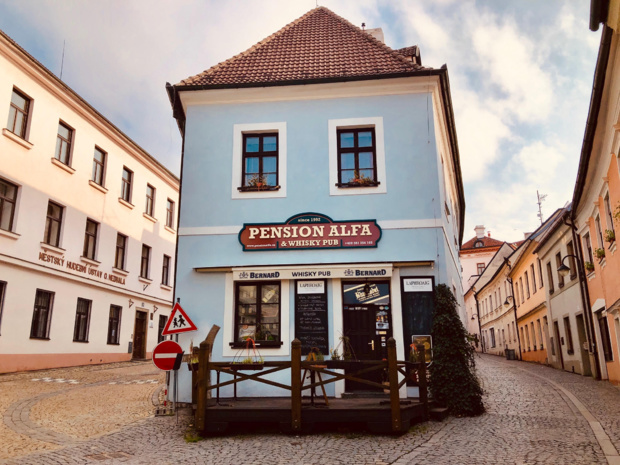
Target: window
x=126, y=185
x=53, y=224
x=599, y=232
x=257, y=313
x=533, y=337
x=63, y=144
x=608, y=213
x=150, y=200
x=357, y=158
x=170, y=214
x=527, y=337
x=605, y=339
x=259, y=162
x=18, y=114
x=144, y=262
x=571, y=260
x=522, y=338
x=90, y=239
x=550, y=278
x=121, y=248
x=587, y=245
x=82, y=320
x=527, y=285
x=540, y=337
x=492, y=330
x=2, y=293
x=42, y=315
x=114, y=324
x=540, y=275
x=521, y=286
x=163, y=319
x=533, y=278
x=8, y=195
x=517, y=300
x=569, y=336
x=165, y=271
x=99, y=159
x=558, y=263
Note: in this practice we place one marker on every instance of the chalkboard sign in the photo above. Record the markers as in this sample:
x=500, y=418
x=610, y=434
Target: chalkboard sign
x=418, y=306
x=311, y=315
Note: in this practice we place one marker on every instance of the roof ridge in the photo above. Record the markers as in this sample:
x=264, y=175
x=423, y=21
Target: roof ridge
x=257, y=45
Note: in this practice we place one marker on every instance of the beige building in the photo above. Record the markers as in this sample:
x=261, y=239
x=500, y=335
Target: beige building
x=87, y=228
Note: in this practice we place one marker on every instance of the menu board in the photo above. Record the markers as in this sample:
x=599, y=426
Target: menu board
x=311, y=315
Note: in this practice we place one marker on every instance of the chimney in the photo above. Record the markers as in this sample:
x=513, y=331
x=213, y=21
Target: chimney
x=377, y=33
x=479, y=231
x=489, y=233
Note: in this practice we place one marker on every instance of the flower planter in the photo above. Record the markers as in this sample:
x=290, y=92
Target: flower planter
x=246, y=366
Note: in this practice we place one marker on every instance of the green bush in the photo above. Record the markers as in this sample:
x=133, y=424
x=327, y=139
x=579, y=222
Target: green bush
x=453, y=380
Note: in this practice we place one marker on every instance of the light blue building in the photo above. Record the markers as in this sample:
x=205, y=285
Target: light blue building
x=321, y=195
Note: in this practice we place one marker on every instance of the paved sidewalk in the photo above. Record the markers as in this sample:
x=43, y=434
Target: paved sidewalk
x=535, y=415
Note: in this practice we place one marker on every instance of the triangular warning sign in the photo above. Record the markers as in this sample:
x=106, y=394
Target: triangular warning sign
x=178, y=322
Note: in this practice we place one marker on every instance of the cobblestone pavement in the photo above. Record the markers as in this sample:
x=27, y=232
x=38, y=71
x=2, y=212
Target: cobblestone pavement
x=535, y=415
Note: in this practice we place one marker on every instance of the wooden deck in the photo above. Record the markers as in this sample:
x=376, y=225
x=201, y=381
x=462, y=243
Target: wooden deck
x=373, y=414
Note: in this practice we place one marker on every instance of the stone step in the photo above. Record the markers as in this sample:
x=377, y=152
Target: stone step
x=438, y=413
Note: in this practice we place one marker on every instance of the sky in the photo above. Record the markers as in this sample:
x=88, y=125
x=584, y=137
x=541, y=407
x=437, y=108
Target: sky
x=521, y=76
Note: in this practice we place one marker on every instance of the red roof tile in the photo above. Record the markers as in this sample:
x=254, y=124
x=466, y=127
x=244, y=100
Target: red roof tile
x=486, y=242
x=319, y=45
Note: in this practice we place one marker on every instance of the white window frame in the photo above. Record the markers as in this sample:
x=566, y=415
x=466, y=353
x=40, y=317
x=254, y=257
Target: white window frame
x=356, y=123
x=237, y=160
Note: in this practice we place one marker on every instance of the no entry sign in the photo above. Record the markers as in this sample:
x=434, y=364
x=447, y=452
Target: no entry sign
x=167, y=355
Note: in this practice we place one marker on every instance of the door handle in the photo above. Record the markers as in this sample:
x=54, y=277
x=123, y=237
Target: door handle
x=372, y=344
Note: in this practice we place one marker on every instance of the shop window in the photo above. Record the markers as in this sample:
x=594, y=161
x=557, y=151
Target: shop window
x=114, y=324
x=8, y=196
x=53, y=223
x=90, y=239
x=121, y=249
x=99, y=159
x=257, y=313
x=82, y=320
x=42, y=315
x=18, y=114
x=259, y=160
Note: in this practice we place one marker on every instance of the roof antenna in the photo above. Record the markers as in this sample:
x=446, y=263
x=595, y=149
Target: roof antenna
x=541, y=198
x=363, y=26
x=62, y=61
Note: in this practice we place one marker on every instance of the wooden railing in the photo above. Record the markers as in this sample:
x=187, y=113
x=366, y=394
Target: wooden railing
x=354, y=371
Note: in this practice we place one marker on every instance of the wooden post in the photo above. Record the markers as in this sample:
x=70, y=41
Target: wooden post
x=393, y=379
x=296, y=385
x=203, y=383
x=422, y=385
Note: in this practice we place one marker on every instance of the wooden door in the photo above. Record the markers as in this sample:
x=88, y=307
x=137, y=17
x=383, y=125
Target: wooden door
x=139, y=335
x=367, y=325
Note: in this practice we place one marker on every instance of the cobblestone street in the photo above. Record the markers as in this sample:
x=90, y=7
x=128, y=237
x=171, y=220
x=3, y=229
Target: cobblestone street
x=535, y=415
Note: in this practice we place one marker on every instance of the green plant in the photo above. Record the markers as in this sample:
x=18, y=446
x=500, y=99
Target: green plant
x=453, y=380
x=600, y=253
x=334, y=354
x=360, y=179
x=610, y=235
x=589, y=266
x=259, y=181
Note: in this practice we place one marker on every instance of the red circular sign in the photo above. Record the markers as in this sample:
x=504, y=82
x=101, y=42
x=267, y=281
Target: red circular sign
x=165, y=354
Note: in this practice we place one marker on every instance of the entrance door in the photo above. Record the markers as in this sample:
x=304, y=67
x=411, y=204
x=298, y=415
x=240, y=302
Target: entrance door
x=367, y=325
x=139, y=335
x=581, y=336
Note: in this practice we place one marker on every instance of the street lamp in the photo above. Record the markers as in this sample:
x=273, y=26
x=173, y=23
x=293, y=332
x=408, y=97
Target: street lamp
x=507, y=301
x=563, y=269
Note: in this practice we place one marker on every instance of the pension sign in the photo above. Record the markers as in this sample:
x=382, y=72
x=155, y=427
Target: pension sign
x=309, y=231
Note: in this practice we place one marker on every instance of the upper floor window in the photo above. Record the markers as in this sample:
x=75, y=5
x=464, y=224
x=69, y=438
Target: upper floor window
x=63, y=144
x=540, y=274
x=165, y=271
x=550, y=277
x=18, y=114
x=260, y=162
x=99, y=159
x=126, y=184
x=170, y=214
x=90, y=239
x=53, y=222
x=150, y=200
x=587, y=245
x=599, y=231
x=8, y=196
x=533, y=274
x=609, y=215
x=571, y=257
x=479, y=268
x=558, y=263
x=42, y=315
x=145, y=261
x=357, y=158
x=527, y=285
x=121, y=248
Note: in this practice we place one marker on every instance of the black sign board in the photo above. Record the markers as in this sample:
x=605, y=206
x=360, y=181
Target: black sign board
x=311, y=315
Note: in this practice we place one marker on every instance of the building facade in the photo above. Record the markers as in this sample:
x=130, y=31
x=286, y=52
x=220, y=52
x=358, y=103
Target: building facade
x=87, y=228
x=308, y=165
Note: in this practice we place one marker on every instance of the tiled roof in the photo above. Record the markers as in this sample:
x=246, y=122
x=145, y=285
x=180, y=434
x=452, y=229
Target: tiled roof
x=318, y=46
x=486, y=242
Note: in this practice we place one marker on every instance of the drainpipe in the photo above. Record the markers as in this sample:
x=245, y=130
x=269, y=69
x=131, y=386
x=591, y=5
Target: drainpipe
x=585, y=295
x=479, y=326
x=514, y=309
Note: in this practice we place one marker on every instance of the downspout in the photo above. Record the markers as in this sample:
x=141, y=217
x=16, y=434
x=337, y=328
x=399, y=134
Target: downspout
x=585, y=295
x=479, y=325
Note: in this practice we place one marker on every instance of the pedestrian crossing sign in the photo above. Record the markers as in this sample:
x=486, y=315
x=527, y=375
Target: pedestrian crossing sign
x=178, y=322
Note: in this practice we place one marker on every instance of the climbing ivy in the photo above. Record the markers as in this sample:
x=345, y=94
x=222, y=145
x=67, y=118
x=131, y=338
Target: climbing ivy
x=453, y=380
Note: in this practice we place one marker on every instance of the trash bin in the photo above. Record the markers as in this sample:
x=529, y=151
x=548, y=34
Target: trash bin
x=510, y=354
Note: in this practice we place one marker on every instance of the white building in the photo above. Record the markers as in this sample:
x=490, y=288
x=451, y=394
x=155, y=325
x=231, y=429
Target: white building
x=87, y=228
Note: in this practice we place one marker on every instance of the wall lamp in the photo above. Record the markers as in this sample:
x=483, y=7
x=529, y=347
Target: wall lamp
x=563, y=269
x=507, y=301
